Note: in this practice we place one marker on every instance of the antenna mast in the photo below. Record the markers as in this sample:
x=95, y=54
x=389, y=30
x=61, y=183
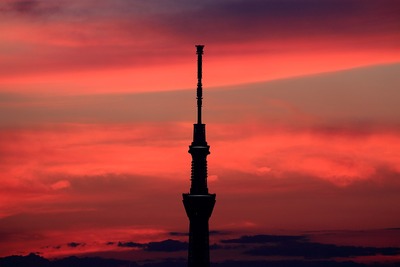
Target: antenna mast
x=199, y=53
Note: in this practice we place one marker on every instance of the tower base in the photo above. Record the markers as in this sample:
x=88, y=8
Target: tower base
x=199, y=209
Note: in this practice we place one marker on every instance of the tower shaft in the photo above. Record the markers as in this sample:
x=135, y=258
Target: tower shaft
x=199, y=203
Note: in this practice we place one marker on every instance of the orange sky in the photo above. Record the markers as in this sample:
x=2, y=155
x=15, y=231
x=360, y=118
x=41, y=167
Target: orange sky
x=97, y=105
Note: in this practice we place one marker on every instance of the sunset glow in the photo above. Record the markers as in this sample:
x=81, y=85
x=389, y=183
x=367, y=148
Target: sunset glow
x=97, y=102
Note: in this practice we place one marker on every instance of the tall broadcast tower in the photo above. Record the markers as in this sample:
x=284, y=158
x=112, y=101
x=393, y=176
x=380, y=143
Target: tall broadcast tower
x=199, y=203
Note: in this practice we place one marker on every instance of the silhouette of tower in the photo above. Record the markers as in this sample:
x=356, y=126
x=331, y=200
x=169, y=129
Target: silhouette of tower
x=199, y=203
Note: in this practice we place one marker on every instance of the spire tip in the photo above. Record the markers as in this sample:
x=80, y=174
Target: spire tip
x=199, y=49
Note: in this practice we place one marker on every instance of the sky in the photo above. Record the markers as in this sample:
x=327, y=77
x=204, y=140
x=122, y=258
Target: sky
x=97, y=105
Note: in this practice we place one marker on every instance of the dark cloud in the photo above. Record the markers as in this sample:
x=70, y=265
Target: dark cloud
x=394, y=229
x=300, y=246
x=168, y=245
x=216, y=246
x=287, y=8
x=212, y=232
x=178, y=233
x=242, y=21
x=24, y=6
x=276, y=245
x=29, y=260
x=31, y=7
x=262, y=239
x=310, y=250
x=75, y=244
x=219, y=232
x=130, y=244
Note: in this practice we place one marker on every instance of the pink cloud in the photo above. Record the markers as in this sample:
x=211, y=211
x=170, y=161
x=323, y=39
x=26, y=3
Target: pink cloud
x=62, y=184
x=107, y=177
x=95, y=52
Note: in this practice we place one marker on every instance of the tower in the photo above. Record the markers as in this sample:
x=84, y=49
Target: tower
x=199, y=203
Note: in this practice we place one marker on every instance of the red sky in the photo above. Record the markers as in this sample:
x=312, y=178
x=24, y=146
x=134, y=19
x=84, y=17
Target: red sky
x=97, y=105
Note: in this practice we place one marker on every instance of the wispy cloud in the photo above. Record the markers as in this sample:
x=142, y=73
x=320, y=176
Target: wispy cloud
x=96, y=35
